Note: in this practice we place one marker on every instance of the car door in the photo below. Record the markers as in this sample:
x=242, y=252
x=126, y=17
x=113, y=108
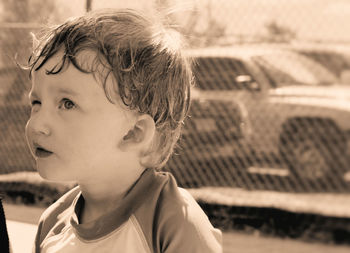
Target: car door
x=232, y=81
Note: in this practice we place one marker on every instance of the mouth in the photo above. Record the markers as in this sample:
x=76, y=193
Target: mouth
x=41, y=152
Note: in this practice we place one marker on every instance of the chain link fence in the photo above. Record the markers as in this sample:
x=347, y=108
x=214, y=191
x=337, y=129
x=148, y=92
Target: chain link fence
x=266, y=117
x=271, y=104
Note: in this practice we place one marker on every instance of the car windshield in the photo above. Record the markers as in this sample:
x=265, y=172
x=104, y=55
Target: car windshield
x=336, y=62
x=289, y=68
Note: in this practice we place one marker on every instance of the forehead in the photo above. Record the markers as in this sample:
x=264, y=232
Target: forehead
x=60, y=66
x=68, y=77
x=85, y=59
x=70, y=80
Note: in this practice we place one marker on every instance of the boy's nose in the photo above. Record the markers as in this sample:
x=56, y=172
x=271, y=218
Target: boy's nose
x=39, y=124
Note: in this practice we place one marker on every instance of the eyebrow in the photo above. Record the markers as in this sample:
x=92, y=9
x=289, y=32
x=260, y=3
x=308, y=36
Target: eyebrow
x=32, y=94
x=66, y=91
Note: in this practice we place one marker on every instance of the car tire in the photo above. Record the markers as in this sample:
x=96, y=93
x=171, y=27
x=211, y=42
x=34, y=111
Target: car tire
x=312, y=148
x=308, y=160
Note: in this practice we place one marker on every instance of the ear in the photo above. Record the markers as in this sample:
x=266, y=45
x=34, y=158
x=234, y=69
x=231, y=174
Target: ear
x=140, y=136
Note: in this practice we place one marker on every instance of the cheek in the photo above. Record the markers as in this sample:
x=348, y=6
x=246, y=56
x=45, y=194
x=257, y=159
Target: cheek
x=93, y=137
x=88, y=142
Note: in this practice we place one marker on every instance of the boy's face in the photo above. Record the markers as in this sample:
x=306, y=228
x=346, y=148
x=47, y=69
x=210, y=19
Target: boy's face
x=74, y=131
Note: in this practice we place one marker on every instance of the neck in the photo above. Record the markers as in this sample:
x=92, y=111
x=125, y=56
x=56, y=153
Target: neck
x=94, y=208
x=102, y=197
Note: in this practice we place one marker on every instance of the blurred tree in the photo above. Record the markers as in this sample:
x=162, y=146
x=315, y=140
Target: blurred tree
x=35, y=11
x=277, y=33
x=214, y=30
x=196, y=22
x=88, y=5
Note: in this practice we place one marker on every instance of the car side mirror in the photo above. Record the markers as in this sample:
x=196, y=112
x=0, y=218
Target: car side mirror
x=247, y=82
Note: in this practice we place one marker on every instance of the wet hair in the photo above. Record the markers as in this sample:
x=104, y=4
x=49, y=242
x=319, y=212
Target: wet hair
x=145, y=58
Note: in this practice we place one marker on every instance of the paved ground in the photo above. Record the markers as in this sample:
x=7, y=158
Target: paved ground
x=22, y=219
x=21, y=236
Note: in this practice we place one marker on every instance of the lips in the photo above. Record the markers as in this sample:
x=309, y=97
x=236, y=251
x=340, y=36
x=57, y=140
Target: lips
x=41, y=152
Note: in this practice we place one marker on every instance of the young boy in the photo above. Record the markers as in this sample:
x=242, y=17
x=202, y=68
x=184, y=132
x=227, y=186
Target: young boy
x=110, y=91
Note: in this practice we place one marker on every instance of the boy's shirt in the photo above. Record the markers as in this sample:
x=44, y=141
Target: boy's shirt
x=154, y=216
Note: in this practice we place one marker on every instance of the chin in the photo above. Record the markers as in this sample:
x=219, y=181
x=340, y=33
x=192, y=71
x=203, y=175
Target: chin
x=51, y=173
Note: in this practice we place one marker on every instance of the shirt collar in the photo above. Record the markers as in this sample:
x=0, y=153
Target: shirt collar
x=141, y=191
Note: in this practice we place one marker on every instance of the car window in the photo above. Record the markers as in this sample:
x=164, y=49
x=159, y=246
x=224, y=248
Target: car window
x=291, y=68
x=333, y=61
x=218, y=73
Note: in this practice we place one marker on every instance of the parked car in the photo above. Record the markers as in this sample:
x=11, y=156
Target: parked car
x=335, y=59
x=204, y=154
x=282, y=104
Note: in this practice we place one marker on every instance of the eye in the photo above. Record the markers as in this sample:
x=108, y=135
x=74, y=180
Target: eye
x=66, y=104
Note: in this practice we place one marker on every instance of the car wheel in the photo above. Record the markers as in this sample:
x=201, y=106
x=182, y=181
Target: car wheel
x=309, y=162
x=313, y=149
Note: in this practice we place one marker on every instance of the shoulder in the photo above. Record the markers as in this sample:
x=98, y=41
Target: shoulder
x=184, y=225
x=52, y=214
x=170, y=220
x=61, y=204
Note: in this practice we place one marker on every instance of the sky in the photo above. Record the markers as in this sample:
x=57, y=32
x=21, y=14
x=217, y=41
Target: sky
x=311, y=19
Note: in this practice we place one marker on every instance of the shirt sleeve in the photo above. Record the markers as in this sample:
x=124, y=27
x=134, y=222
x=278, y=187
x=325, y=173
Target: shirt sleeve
x=50, y=217
x=188, y=229
x=36, y=246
